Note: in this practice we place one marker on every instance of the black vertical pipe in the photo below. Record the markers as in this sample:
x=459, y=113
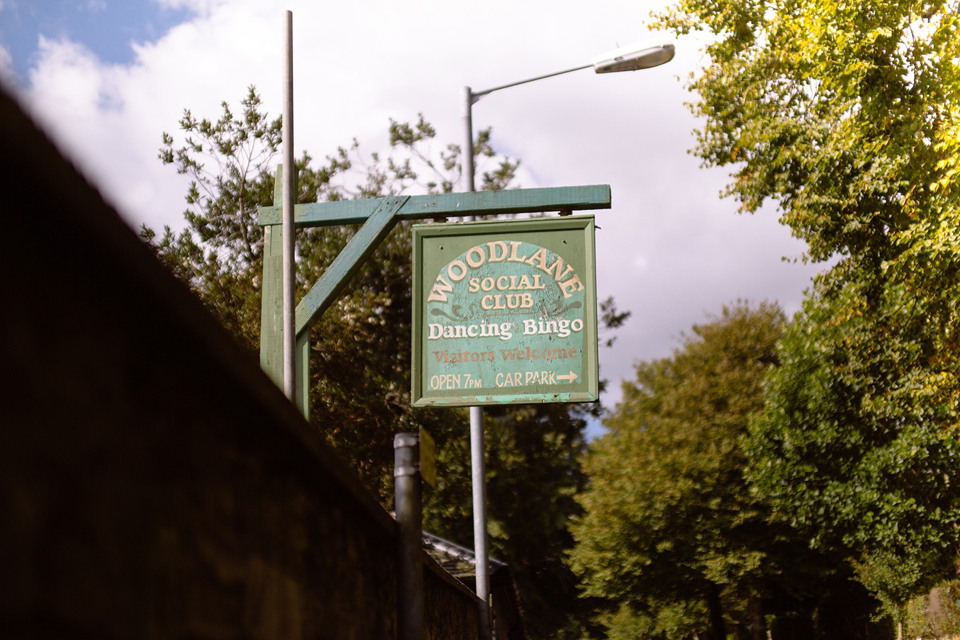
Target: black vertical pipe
x=407, y=502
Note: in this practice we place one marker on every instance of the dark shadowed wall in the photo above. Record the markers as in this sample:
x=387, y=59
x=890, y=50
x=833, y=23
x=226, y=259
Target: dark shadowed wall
x=153, y=482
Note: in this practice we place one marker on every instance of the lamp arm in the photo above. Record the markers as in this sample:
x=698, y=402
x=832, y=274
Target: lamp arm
x=476, y=95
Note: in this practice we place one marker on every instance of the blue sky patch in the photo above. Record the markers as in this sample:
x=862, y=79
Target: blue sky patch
x=105, y=27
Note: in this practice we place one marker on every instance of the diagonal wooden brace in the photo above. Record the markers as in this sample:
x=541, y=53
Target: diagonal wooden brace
x=335, y=278
x=379, y=223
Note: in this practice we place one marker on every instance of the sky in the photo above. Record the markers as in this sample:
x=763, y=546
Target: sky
x=105, y=78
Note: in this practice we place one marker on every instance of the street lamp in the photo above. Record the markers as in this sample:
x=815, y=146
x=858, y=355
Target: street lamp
x=640, y=55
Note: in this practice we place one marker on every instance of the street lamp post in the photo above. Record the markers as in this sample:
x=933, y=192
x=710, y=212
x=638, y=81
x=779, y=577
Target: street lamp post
x=642, y=55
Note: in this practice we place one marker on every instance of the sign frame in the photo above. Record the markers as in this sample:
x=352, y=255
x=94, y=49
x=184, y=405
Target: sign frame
x=573, y=240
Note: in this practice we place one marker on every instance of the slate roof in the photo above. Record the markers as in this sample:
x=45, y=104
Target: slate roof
x=459, y=562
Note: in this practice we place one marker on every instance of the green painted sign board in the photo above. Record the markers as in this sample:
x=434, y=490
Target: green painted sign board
x=505, y=312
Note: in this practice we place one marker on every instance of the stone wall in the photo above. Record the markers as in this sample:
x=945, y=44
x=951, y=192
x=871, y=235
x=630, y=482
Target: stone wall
x=153, y=482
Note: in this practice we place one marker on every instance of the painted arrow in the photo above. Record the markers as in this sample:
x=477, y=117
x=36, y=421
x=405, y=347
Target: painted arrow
x=570, y=377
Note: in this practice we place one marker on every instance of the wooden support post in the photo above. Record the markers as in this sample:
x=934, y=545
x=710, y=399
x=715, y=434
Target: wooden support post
x=271, y=294
x=271, y=313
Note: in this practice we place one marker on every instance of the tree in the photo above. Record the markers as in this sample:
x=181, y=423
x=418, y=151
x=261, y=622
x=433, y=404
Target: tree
x=846, y=114
x=672, y=536
x=860, y=462
x=894, y=579
x=359, y=395
x=843, y=113
x=360, y=348
x=219, y=253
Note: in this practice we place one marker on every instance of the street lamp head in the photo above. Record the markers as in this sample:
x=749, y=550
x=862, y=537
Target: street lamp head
x=640, y=55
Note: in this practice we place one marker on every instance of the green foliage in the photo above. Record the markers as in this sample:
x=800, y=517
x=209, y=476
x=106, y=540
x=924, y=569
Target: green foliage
x=444, y=177
x=672, y=536
x=611, y=318
x=936, y=615
x=833, y=109
x=849, y=444
x=665, y=620
x=219, y=253
x=894, y=579
x=846, y=114
x=227, y=162
x=360, y=356
x=853, y=448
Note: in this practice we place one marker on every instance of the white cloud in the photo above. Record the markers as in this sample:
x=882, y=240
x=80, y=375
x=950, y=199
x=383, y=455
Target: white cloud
x=198, y=7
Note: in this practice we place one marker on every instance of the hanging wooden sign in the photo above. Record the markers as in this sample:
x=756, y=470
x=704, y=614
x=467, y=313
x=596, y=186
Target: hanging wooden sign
x=505, y=312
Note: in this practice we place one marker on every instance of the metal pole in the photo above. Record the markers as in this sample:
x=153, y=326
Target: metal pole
x=477, y=463
x=407, y=502
x=480, y=518
x=289, y=196
x=466, y=118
